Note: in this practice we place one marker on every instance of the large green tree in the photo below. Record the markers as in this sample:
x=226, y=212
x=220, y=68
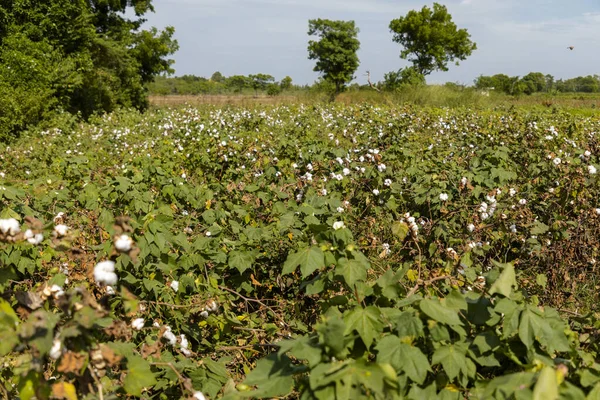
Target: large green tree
x=335, y=51
x=430, y=39
x=82, y=56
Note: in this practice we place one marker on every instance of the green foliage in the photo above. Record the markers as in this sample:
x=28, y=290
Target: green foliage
x=335, y=51
x=430, y=39
x=256, y=256
x=405, y=77
x=81, y=57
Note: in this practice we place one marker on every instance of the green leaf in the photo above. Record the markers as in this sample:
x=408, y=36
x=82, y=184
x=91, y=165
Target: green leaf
x=273, y=377
x=534, y=326
x=400, y=230
x=435, y=310
x=505, y=282
x=309, y=260
x=539, y=228
x=409, y=325
x=453, y=359
x=546, y=387
x=366, y=321
x=351, y=270
x=241, y=260
x=139, y=376
x=403, y=357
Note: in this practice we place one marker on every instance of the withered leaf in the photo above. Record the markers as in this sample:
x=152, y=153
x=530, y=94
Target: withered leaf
x=71, y=362
x=31, y=300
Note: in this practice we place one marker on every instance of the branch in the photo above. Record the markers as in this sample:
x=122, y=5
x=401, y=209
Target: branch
x=369, y=81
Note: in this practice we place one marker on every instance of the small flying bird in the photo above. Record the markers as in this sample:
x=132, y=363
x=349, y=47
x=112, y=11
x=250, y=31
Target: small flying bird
x=571, y=47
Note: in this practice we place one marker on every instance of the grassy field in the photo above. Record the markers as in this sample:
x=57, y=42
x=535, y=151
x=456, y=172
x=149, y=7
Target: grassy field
x=249, y=249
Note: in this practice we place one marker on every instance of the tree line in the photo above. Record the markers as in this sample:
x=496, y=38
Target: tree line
x=220, y=84
x=535, y=82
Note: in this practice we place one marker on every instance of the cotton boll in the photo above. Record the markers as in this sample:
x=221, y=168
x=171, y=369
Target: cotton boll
x=137, y=323
x=10, y=226
x=61, y=230
x=123, y=243
x=56, y=349
x=104, y=273
x=175, y=285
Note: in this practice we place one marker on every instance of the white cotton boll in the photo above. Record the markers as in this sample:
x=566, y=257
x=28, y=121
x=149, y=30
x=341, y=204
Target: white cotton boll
x=512, y=192
x=309, y=167
x=170, y=336
x=212, y=305
x=470, y=227
x=463, y=181
x=208, y=233
x=110, y=290
x=597, y=211
x=104, y=273
x=338, y=225
x=376, y=192
x=443, y=196
x=592, y=170
x=340, y=209
x=199, y=396
x=522, y=202
x=204, y=314
x=513, y=228
x=346, y=171
x=557, y=161
x=175, y=285
x=56, y=349
x=184, y=342
x=123, y=243
x=57, y=291
x=137, y=323
x=10, y=226
x=324, y=192
x=61, y=230
x=59, y=216
x=484, y=216
x=387, y=182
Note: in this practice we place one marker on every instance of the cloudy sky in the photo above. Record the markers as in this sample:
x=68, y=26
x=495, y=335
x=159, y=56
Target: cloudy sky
x=270, y=36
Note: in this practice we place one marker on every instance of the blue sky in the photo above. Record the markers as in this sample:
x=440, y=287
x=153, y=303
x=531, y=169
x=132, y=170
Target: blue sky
x=270, y=36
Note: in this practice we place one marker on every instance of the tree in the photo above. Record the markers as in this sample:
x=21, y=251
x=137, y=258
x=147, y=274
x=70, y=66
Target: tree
x=80, y=56
x=286, y=83
x=217, y=77
x=260, y=81
x=335, y=51
x=238, y=82
x=430, y=39
x=408, y=76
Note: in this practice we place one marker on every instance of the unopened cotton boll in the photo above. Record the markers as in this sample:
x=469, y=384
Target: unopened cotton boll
x=123, y=243
x=104, y=273
x=137, y=323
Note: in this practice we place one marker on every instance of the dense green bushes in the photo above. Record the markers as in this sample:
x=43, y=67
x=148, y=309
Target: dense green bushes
x=76, y=56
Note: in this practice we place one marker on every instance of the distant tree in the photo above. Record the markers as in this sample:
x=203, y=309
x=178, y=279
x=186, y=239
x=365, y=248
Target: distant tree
x=260, y=81
x=549, y=82
x=237, y=82
x=286, y=83
x=430, y=39
x=217, y=77
x=500, y=83
x=533, y=82
x=273, y=89
x=335, y=51
x=408, y=76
